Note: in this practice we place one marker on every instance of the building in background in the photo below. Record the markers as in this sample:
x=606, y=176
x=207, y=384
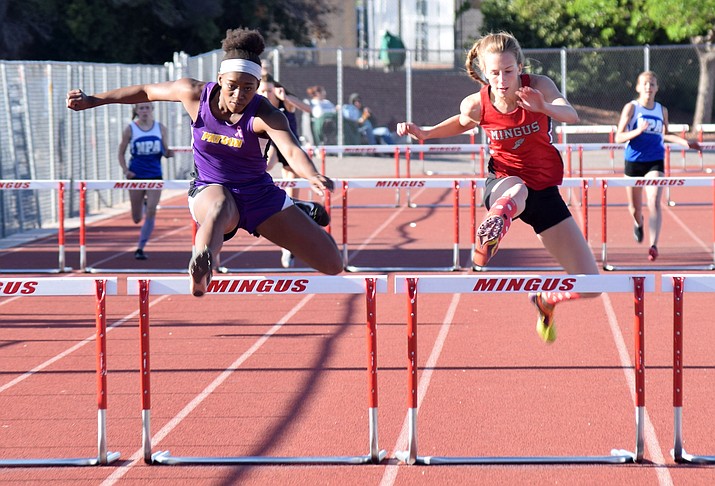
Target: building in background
x=431, y=29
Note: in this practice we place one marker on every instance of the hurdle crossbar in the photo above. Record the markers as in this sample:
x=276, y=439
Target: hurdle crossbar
x=59, y=186
x=665, y=182
x=402, y=184
x=369, y=285
x=76, y=286
x=568, y=182
x=679, y=284
x=411, y=286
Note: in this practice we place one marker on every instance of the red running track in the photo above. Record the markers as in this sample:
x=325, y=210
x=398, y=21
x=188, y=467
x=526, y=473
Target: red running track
x=285, y=375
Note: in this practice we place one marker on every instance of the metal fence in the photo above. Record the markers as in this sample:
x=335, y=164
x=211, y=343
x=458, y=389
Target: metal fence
x=41, y=139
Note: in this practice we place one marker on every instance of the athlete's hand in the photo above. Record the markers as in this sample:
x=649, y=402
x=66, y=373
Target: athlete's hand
x=319, y=184
x=408, y=128
x=530, y=99
x=77, y=100
x=642, y=125
x=693, y=144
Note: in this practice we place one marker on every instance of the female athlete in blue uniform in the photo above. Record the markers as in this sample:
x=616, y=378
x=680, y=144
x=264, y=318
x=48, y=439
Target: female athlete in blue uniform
x=147, y=141
x=643, y=127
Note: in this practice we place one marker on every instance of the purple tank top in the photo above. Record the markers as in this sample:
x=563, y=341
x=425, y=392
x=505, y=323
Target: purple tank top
x=226, y=154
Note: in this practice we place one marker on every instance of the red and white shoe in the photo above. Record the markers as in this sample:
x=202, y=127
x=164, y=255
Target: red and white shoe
x=652, y=253
x=489, y=234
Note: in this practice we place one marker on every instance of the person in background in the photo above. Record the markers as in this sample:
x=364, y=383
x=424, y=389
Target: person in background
x=643, y=127
x=147, y=141
x=525, y=169
x=287, y=104
x=323, y=113
x=231, y=188
x=356, y=112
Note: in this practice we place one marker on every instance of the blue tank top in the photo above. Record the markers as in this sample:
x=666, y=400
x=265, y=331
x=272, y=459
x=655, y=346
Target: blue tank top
x=227, y=154
x=146, y=149
x=648, y=146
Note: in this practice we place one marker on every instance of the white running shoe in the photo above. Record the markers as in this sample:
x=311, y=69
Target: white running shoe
x=287, y=259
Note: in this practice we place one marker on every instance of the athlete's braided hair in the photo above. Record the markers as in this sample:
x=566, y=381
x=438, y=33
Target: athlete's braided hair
x=243, y=43
x=497, y=43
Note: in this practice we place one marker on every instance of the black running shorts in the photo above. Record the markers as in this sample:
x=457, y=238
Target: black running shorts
x=640, y=169
x=544, y=208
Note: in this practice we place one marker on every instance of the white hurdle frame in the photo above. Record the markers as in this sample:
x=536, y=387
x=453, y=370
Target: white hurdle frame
x=237, y=285
x=394, y=183
x=664, y=182
x=125, y=184
x=411, y=286
x=59, y=186
x=679, y=284
x=100, y=288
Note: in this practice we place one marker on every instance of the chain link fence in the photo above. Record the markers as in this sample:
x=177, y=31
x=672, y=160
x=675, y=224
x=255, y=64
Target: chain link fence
x=41, y=139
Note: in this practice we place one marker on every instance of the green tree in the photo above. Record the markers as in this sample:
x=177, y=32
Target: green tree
x=693, y=20
x=602, y=23
x=147, y=31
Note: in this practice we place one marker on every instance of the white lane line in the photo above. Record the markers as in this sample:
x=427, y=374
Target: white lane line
x=225, y=374
x=651, y=440
x=390, y=474
x=72, y=349
x=687, y=230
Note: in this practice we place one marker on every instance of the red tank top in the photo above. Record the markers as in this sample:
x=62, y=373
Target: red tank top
x=520, y=144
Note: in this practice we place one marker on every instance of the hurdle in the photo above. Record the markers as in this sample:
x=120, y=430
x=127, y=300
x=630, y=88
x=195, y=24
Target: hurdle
x=84, y=186
x=679, y=284
x=59, y=186
x=411, y=286
x=402, y=184
x=75, y=286
x=472, y=148
x=569, y=182
x=665, y=182
x=237, y=285
x=563, y=131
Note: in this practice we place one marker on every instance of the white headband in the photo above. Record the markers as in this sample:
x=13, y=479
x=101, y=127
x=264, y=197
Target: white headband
x=241, y=66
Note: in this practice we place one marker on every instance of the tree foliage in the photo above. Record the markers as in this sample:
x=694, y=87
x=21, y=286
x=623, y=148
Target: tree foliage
x=147, y=31
x=578, y=23
x=605, y=23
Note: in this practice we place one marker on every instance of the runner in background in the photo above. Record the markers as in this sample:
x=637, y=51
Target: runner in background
x=147, y=140
x=287, y=104
x=525, y=169
x=231, y=188
x=643, y=127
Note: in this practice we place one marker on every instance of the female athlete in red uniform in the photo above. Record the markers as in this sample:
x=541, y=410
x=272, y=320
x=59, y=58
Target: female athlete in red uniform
x=515, y=111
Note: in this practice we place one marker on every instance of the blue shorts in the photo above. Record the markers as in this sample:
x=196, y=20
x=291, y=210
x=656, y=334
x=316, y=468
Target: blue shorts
x=544, y=209
x=255, y=202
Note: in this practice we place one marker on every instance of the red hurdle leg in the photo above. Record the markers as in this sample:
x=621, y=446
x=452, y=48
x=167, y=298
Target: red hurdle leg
x=639, y=332
x=145, y=368
x=82, y=226
x=371, y=335
x=101, y=333
x=412, y=368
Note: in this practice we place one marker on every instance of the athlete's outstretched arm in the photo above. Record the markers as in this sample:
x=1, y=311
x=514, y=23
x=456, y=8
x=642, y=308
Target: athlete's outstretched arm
x=185, y=90
x=468, y=118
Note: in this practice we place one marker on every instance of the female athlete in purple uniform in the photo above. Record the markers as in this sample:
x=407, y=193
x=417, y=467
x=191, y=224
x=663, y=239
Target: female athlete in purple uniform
x=231, y=188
